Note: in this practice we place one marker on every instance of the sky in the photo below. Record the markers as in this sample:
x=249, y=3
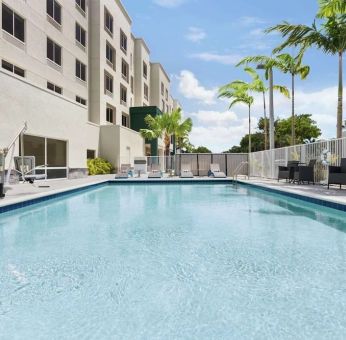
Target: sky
x=199, y=42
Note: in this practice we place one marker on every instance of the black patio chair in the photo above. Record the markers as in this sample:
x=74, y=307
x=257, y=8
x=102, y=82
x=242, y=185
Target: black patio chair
x=305, y=173
x=287, y=172
x=337, y=174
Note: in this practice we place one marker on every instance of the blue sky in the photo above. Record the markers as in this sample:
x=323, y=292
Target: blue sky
x=199, y=42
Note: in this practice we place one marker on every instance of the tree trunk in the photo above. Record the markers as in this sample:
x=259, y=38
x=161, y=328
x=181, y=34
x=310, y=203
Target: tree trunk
x=340, y=98
x=167, y=142
x=265, y=122
x=249, y=128
x=293, y=122
x=271, y=110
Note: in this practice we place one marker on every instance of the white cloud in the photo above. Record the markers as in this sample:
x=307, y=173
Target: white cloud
x=251, y=20
x=214, y=117
x=195, y=34
x=190, y=88
x=169, y=3
x=257, y=32
x=226, y=59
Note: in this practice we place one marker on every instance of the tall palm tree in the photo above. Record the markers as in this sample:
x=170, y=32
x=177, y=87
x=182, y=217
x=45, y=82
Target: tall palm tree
x=166, y=125
x=329, y=36
x=259, y=86
x=329, y=8
x=239, y=91
x=293, y=66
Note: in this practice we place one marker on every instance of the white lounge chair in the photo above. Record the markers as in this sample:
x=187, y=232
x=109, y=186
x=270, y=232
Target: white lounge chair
x=155, y=171
x=215, y=171
x=124, y=172
x=186, y=171
x=25, y=167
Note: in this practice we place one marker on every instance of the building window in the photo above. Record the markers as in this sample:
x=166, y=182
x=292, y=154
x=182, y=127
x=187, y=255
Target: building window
x=80, y=100
x=12, y=68
x=166, y=94
x=132, y=84
x=53, y=87
x=110, y=54
x=163, y=106
x=108, y=83
x=110, y=114
x=108, y=22
x=145, y=70
x=125, y=70
x=162, y=89
x=80, y=34
x=91, y=154
x=53, y=52
x=123, y=41
x=146, y=91
x=80, y=70
x=81, y=4
x=125, y=120
x=54, y=10
x=123, y=95
x=12, y=23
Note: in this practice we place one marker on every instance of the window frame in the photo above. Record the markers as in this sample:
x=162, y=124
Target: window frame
x=81, y=32
x=55, y=2
x=80, y=69
x=123, y=89
x=112, y=49
x=78, y=4
x=123, y=35
x=127, y=117
x=18, y=71
x=108, y=80
x=81, y=100
x=14, y=15
x=127, y=67
x=146, y=95
x=112, y=110
x=145, y=70
x=107, y=29
x=54, y=45
x=55, y=88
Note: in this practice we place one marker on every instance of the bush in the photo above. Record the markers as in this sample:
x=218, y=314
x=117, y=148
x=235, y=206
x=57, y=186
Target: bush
x=99, y=166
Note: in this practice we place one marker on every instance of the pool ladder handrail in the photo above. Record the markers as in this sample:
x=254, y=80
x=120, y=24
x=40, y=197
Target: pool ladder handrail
x=237, y=170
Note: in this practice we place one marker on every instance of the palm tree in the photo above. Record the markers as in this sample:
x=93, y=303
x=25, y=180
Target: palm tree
x=329, y=8
x=259, y=86
x=166, y=125
x=330, y=37
x=238, y=91
x=293, y=66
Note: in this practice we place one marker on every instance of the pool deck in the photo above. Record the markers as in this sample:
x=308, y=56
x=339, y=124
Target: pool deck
x=20, y=193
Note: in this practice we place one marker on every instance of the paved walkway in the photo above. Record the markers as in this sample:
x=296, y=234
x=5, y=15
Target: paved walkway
x=21, y=192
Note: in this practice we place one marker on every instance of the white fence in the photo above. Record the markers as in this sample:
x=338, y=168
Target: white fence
x=265, y=163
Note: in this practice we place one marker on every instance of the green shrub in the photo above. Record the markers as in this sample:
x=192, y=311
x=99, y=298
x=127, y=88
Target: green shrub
x=99, y=166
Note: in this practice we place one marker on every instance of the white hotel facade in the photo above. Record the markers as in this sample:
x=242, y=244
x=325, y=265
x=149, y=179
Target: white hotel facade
x=72, y=70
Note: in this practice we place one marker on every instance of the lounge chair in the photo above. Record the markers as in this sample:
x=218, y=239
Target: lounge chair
x=287, y=172
x=25, y=167
x=124, y=172
x=155, y=171
x=215, y=171
x=305, y=173
x=337, y=174
x=186, y=172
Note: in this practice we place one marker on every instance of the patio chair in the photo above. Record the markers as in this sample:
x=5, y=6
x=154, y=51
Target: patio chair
x=124, y=172
x=186, y=171
x=155, y=171
x=287, y=172
x=215, y=171
x=337, y=174
x=25, y=167
x=305, y=173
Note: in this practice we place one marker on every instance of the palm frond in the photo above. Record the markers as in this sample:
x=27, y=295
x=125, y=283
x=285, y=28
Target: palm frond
x=283, y=90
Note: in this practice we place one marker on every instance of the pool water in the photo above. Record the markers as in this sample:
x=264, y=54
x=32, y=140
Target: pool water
x=174, y=261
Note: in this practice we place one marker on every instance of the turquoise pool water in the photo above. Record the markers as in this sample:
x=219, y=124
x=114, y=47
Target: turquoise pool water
x=173, y=262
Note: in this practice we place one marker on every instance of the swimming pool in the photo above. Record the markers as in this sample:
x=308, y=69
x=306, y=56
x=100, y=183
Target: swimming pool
x=193, y=261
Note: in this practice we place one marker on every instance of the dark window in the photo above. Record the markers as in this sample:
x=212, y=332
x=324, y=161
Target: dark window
x=80, y=70
x=80, y=100
x=53, y=51
x=91, y=154
x=132, y=84
x=124, y=120
x=12, y=68
x=81, y=4
x=108, y=21
x=12, y=23
x=108, y=83
x=54, y=10
x=110, y=115
x=110, y=53
x=53, y=87
x=123, y=95
x=162, y=89
x=125, y=70
x=166, y=94
x=80, y=34
x=145, y=70
x=146, y=91
x=123, y=41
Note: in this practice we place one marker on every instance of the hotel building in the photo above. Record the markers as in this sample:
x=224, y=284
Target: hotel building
x=72, y=70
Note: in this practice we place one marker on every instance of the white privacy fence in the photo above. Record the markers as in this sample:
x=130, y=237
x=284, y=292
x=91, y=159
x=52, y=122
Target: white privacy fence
x=265, y=163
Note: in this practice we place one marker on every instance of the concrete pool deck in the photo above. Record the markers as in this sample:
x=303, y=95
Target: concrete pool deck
x=20, y=193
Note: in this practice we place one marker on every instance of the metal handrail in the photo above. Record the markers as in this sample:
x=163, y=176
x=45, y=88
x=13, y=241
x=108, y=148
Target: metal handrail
x=237, y=170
